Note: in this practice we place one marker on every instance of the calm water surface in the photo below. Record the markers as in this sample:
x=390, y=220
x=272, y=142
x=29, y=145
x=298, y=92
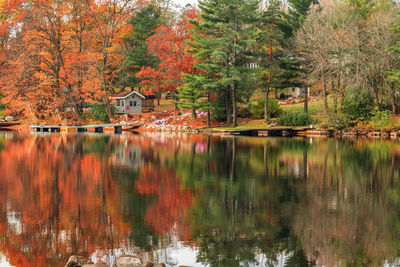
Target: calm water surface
x=198, y=200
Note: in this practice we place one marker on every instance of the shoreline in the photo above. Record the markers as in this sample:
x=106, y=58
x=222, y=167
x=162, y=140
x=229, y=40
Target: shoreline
x=260, y=132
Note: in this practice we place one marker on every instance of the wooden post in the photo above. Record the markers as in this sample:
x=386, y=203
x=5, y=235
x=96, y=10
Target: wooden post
x=306, y=101
x=117, y=129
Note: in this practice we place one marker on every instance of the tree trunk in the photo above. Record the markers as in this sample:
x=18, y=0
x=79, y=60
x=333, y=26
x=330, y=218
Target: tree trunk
x=393, y=96
x=228, y=108
x=335, y=99
x=234, y=112
x=194, y=113
x=266, y=116
x=326, y=98
x=306, y=101
x=208, y=112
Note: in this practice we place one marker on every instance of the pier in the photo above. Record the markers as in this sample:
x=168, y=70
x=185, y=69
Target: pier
x=98, y=128
x=273, y=131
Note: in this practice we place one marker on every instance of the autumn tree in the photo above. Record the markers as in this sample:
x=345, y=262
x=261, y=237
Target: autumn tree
x=169, y=45
x=109, y=20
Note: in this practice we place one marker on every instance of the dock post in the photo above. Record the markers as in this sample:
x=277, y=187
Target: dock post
x=117, y=129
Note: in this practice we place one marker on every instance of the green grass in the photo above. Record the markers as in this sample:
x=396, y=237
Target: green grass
x=315, y=108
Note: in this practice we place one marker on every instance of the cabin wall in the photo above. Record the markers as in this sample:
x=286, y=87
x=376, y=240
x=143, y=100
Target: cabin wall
x=129, y=101
x=297, y=92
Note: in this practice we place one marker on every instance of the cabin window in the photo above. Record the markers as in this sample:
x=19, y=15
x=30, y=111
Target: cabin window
x=130, y=103
x=134, y=103
x=292, y=89
x=118, y=102
x=123, y=103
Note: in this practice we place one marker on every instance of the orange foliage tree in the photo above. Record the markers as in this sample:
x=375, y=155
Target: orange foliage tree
x=58, y=54
x=169, y=44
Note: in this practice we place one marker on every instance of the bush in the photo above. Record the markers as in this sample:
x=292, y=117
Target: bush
x=381, y=118
x=339, y=121
x=296, y=119
x=99, y=112
x=358, y=104
x=2, y=106
x=274, y=109
x=243, y=112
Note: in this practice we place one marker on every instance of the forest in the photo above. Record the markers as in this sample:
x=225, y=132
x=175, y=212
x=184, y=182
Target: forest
x=227, y=58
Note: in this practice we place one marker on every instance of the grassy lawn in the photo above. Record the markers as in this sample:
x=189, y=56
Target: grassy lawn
x=2, y=107
x=316, y=108
x=164, y=105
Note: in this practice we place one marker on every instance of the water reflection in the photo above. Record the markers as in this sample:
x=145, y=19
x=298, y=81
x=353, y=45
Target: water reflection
x=199, y=200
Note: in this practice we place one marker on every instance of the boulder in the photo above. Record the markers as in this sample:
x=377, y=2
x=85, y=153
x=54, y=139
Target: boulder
x=77, y=261
x=147, y=264
x=9, y=118
x=98, y=264
x=128, y=261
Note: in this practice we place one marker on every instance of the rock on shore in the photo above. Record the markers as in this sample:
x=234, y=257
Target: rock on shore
x=122, y=261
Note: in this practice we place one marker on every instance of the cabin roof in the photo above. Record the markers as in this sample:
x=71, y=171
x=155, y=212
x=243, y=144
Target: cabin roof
x=123, y=95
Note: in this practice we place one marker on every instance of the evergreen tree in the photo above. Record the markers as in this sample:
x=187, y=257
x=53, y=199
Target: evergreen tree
x=223, y=44
x=298, y=12
x=269, y=39
x=144, y=24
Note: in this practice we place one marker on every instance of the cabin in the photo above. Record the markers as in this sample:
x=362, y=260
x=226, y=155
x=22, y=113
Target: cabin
x=127, y=155
x=128, y=102
x=298, y=92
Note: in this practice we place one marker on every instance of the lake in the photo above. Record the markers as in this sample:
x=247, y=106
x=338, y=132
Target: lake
x=199, y=200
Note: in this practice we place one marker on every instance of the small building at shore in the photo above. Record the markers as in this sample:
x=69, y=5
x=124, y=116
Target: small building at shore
x=127, y=102
x=297, y=92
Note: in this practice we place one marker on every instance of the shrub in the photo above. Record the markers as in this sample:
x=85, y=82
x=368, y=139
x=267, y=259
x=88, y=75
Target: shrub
x=358, y=104
x=2, y=106
x=243, y=112
x=296, y=119
x=381, y=118
x=274, y=109
x=99, y=112
x=339, y=121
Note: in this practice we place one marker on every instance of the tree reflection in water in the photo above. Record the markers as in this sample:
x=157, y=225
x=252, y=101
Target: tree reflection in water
x=236, y=201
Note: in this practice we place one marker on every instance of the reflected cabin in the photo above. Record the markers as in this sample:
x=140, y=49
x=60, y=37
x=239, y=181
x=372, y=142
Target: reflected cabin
x=127, y=102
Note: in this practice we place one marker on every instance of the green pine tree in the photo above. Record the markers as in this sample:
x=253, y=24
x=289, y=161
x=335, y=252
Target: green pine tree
x=144, y=24
x=223, y=43
x=270, y=38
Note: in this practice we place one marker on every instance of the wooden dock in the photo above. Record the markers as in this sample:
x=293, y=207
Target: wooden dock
x=98, y=128
x=9, y=124
x=273, y=131
x=6, y=126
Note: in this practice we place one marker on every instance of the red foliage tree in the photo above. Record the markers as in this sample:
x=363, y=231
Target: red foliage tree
x=170, y=45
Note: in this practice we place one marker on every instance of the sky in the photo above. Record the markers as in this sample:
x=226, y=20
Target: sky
x=185, y=2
